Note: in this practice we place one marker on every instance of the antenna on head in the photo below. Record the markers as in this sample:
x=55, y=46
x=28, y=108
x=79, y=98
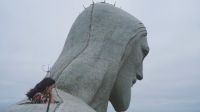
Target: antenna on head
x=103, y=1
x=84, y=6
x=115, y=3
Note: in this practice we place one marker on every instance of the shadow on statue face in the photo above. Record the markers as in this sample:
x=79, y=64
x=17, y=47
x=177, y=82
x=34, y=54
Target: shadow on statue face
x=130, y=72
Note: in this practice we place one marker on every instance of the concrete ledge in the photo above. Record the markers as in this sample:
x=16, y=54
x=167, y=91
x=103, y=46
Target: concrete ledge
x=67, y=103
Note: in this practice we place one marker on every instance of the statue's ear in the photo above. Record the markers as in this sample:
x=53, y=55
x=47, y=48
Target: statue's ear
x=120, y=95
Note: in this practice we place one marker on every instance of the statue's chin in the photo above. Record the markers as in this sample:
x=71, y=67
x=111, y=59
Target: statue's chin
x=120, y=96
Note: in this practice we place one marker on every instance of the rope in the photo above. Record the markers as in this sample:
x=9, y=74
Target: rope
x=49, y=102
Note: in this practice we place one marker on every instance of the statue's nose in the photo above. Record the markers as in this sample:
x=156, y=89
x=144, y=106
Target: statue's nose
x=139, y=76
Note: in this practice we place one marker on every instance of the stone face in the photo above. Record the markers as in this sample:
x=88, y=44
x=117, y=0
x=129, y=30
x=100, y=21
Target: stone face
x=102, y=57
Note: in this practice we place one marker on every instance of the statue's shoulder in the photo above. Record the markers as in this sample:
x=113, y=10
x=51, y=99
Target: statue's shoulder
x=67, y=103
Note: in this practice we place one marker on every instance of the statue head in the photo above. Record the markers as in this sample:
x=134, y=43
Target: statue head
x=130, y=71
x=102, y=57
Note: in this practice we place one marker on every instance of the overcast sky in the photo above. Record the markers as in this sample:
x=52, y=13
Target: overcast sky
x=33, y=32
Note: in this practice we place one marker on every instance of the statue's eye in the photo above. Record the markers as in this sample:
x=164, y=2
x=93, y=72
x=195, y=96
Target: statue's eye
x=144, y=35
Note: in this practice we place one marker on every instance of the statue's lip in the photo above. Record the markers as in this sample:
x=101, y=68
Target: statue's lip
x=133, y=82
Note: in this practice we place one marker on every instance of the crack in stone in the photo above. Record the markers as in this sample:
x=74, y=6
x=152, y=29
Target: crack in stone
x=90, y=31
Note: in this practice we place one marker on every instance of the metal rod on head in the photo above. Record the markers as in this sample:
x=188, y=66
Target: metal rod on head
x=115, y=3
x=84, y=6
